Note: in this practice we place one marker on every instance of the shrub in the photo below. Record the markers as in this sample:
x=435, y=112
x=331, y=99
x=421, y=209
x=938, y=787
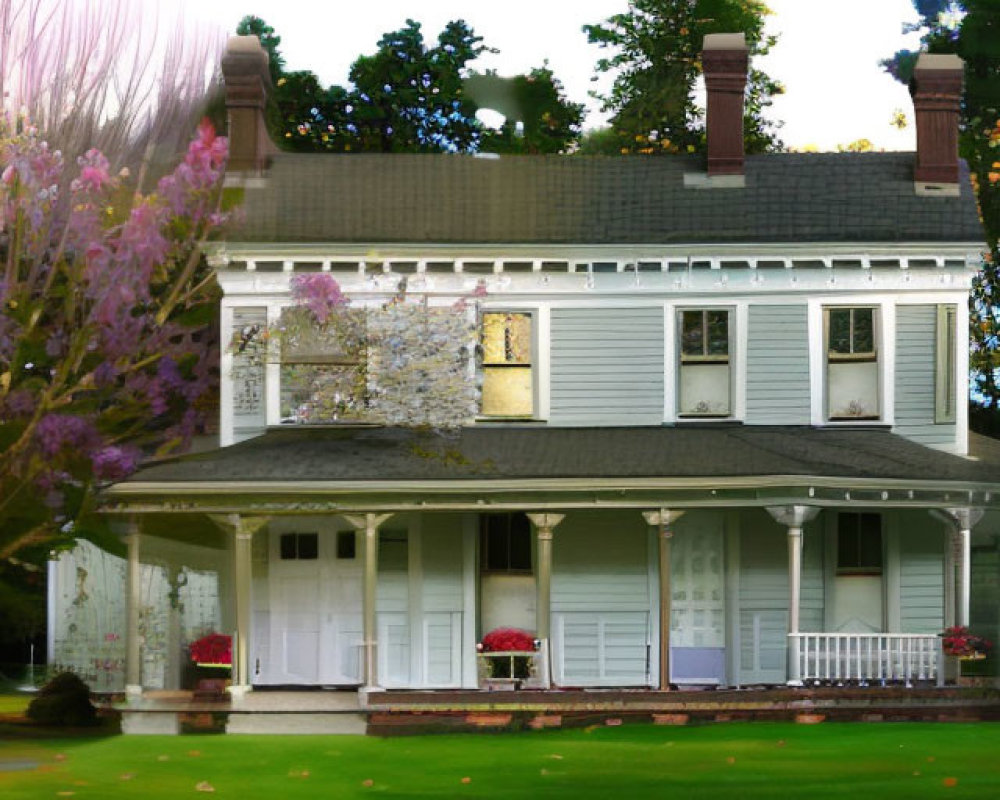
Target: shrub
x=64, y=700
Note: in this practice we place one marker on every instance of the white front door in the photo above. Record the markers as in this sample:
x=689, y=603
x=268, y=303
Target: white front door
x=315, y=599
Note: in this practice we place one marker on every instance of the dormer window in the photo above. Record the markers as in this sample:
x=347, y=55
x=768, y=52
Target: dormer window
x=508, y=388
x=704, y=369
x=852, y=370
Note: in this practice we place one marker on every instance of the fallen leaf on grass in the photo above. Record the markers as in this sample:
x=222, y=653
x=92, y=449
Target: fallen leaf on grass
x=368, y=782
x=296, y=773
x=781, y=742
x=731, y=759
x=163, y=758
x=949, y=782
x=204, y=786
x=194, y=753
x=466, y=780
x=65, y=794
x=930, y=759
x=544, y=771
x=556, y=755
x=59, y=757
x=916, y=773
x=126, y=776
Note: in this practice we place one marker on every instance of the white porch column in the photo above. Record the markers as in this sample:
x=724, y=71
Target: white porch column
x=794, y=517
x=133, y=593
x=958, y=559
x=663, y=520
x=242, y=528
x=544, y=525
x=367, y=527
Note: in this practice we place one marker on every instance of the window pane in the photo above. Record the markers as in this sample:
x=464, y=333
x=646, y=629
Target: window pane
x=840, y=330
x=346, y=545
x=496, y=542
x=848, y=550
x=864, y=330
x=692, y=333
x=718, y=333
x=871, y=541
x=308, y=545
x=287, y=546
x=520, y=543
x=312, y=393
x=506, y=338
x=508, y=392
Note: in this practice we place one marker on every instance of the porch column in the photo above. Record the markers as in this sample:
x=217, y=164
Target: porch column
x=663, y=520
x=544, y=525
x=242, y=528
x=958, y=559
x=794, y=517
x=133, y=593
x=367, y=527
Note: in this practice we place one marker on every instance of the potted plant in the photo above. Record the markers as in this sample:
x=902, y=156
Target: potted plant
x=507, y=657
x=212, y=659
x=958, y=642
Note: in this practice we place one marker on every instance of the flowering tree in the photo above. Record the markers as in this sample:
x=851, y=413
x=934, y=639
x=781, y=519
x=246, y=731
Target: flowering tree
x=104, y=350
x=402, y=362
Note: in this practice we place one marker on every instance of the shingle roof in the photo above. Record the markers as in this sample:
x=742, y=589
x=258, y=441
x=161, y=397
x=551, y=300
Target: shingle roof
x=353, y=454
x=788, y=197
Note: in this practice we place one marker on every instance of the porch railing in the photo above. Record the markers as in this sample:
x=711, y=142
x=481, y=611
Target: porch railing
x=865, y=656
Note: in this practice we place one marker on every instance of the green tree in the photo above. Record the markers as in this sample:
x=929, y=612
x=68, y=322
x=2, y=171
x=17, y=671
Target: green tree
x=656, y=52
x=539, y=118
x=971, y=29
x=407, y=96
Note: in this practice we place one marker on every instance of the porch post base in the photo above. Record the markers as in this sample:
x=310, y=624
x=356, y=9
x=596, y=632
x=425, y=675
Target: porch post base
x=795, y=682
x=133, y=691
x=239, y=691
x=364, y=692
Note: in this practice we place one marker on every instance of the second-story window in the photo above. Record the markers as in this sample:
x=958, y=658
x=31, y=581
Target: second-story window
x=704, y=376
x=322, y=373
x=508, y=372
x=852, y=377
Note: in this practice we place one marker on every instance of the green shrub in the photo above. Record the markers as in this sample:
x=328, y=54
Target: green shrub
x=64, y=700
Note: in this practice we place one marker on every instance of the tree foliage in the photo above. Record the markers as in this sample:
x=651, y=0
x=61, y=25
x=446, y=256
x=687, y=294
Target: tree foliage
x=105, y=348
x=655, y=54
x=414, y=97
x=971, y=29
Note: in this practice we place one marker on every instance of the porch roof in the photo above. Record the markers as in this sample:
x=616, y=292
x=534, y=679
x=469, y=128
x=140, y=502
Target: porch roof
x=707, y=462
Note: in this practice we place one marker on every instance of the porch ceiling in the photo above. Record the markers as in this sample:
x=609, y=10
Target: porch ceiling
x=352, y=467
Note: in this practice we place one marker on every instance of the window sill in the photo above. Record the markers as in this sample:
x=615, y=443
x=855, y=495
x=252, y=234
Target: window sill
x=492, y=420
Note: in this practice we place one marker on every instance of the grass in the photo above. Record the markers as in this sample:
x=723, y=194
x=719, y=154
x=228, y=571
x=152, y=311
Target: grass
x=14, y=704
x=763, y=760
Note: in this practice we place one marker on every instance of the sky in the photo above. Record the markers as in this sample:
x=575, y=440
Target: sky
x=826, y=57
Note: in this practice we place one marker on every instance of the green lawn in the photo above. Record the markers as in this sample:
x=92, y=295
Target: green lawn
x=762, y=760
x=14, y=703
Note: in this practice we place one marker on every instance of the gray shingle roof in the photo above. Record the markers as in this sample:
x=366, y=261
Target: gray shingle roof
x=789, y=197
x=486, y=453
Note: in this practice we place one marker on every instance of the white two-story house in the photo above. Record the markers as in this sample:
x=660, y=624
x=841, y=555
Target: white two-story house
x=721, y=434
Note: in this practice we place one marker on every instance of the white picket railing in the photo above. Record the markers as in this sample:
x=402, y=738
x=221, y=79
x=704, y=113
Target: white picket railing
x=865, y=656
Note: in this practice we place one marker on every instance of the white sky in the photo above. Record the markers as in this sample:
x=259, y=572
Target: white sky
x=827, y=55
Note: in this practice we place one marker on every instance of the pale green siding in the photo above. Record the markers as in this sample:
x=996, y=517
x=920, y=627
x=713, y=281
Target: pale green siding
x=777, y=390
x=606, y=366
x=921, y=574
x=811, y=607
x=763, y=623
x=916, y=358
x=600, y=600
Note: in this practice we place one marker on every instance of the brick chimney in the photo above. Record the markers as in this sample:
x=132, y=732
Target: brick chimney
x=937, y=91
x=247, y=81
x=725, y=62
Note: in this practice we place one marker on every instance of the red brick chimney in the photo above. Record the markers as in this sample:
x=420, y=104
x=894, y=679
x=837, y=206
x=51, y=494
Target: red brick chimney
x=247, y=81
x=937, y=91
x=725, y=62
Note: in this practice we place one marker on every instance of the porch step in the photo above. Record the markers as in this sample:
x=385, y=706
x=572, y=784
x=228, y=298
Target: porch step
x=425, y=712
x=296, y=723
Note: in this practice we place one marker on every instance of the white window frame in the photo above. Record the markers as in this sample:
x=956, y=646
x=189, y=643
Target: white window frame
x=540, y=361
x=885, y=348
x=672, y=360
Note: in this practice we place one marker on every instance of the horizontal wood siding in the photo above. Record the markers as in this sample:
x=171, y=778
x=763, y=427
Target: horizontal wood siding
x=811, y=606
x=777, y=390
x=921, y=575
x=763, y=599
x=441, y=549
x=916, y=358
x=600, y=600
x=606, y=366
